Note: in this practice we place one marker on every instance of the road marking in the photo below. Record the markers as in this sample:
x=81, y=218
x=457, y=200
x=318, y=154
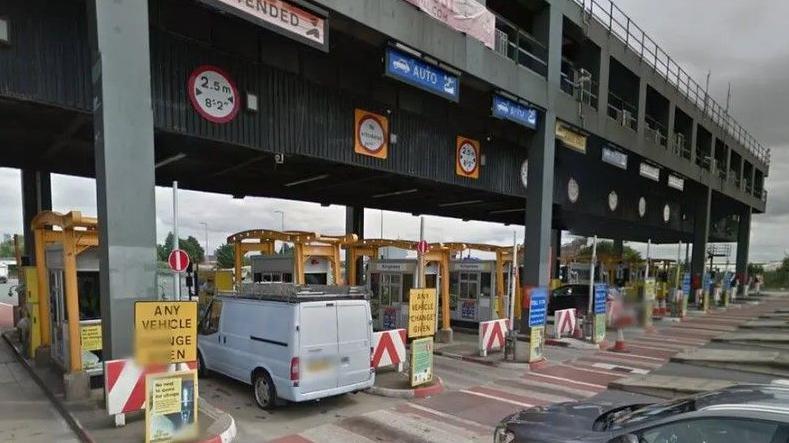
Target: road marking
x=583, y=383
x=635, y=355
x=615, y=367
x=592, y=370
x=493, y=397
x=469, y=423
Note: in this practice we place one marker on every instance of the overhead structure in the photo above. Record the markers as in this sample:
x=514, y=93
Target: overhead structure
x=305, y=245
x=76, y=233
x=437, y=252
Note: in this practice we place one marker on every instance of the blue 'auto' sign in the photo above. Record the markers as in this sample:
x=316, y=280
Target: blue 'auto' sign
x=600, y=296
x=410, y=69
x=686, y=283
x=507, y=109
x=538, y=305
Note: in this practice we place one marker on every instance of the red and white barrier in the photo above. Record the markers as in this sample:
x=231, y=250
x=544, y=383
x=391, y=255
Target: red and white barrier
x=389, y=349
x=491, y=335
x=124, y=384
x=564, y=322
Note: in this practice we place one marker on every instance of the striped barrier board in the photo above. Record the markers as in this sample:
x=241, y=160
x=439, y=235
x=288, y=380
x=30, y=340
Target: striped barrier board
x=389, y=349
x=564, y=323
x=124, y=384
x=491, y=335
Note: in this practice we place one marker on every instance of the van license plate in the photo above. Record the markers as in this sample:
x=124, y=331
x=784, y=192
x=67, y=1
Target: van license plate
x=318, y=365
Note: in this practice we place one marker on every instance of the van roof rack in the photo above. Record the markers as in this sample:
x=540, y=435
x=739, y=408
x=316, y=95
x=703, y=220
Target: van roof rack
x=292, y=293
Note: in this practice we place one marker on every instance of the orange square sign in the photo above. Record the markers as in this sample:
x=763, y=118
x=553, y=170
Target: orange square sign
x=371, y=134
x=467, y=158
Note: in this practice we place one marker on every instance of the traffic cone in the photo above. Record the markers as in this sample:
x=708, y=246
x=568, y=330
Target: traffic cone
x=578, y=333
x=619, y=344
x=663, y=310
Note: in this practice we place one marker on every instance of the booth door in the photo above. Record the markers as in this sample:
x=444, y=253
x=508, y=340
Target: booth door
x=57, y=318
x=486, y=298
x=468, y=296
x=387, y=289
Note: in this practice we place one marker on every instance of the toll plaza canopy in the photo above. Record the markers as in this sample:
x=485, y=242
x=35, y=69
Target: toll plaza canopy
x=377, y=104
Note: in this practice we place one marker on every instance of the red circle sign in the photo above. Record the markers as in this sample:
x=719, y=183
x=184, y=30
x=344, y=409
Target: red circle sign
x=178, y=260
x=213, y=94
x=422, y=247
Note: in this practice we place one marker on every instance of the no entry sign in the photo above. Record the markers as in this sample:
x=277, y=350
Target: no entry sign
x=213, y=94
x=178, y=260
x=422, y=247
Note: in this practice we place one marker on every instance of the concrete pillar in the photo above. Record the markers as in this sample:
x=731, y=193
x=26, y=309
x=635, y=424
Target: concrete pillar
x=694, y=134
x=619, y=248
x=642, y=109
x=672, y=115
x=539, y=195
x=701, y=228
x=36, y=197
x=556, y=243
x=123, y=133
x=354, y=224
x=602, y=98
x=743, y=246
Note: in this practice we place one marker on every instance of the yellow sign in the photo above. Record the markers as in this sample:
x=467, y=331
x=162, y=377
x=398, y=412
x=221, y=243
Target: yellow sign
x=649, y=289
x=371, y=134
x=90, y=337
x=165, y=332
x=536, y=338
x=467, y=157
x=571, y=138
x=171, y=414
x=422, y=313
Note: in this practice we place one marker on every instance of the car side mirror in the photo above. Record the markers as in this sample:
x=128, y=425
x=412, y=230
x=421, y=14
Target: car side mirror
x=627, y=438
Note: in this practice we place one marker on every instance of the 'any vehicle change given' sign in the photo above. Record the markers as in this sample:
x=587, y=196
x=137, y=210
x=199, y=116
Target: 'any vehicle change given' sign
x=165, y=332
x=422, y=313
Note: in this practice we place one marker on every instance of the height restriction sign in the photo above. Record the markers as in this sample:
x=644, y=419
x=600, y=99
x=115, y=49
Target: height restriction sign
x=213, y=94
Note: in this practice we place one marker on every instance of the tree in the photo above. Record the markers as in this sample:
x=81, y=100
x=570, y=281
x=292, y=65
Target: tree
x=225, y=256
x=754, y=269
x=605, y=249
x=285, y=249
x=7, y=246
x=191, y=245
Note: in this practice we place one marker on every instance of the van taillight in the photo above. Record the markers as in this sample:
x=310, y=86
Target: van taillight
x=294, y=369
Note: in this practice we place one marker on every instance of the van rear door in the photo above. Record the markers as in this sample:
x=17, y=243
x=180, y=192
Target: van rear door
x=318, y=356
x=354, y=333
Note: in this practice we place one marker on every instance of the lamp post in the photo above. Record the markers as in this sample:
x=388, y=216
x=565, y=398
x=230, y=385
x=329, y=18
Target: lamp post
x=282, y=219
x=205, y=227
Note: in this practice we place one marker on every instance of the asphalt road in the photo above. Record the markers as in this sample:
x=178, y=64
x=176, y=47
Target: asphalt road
x=478, y=396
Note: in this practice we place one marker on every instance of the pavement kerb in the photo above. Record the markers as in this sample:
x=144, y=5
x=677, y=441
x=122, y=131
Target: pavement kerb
x=72, y=421
x=471, y=358
x=427, y=391
x=223, y=430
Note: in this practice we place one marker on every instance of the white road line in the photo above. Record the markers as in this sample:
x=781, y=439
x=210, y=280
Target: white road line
x=493, y=397
x=447, y=416
x=568, y=380
x=637, y=356
x=613, y=367
x=577, y=368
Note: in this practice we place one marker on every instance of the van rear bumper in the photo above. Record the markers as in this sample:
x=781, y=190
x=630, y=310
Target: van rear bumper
x=295, y=394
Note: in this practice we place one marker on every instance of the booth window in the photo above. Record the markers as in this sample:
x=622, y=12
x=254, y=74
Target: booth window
x=391, y=288
x=469, y=285
x=287, y=277
x=257, y=277
x=88, y=287
x=315, y=278
x=210, y=323
x=408, y=283
x=485, y=284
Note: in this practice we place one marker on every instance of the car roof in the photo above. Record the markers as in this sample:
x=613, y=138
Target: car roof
x=773, y=397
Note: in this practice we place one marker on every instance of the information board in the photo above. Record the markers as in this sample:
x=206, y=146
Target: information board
x=599, y=328
x=416, y=72
x=538, y=305
x=536, y=341
x=421, y=361
x=171, y=412
x=422, y=313
x=649, y=289
x=686, y=283
x=165, y=332
x=90, y=337
x=600, y=297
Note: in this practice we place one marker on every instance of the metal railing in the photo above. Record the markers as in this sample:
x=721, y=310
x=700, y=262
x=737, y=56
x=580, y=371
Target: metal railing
x=622, y=111
x=656, y=131
x=521, y=47
x=620, y=25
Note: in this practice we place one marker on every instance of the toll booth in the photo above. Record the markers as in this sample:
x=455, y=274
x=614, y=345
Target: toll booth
x=279, y=269
x=390, y=282
x=67, y=271
x=472, y=290
x=89, y=312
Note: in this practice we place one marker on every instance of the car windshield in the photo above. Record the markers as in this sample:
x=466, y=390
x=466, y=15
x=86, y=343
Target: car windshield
x=651, y=412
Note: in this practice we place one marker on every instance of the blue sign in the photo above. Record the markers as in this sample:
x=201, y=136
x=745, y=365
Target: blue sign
x=707, y=281
x=410, y=69
x=507, y=109
x=538, y=306
x=686, y=283
x=600, y=297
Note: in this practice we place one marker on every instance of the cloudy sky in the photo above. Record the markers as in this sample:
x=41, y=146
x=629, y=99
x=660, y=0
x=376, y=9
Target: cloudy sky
x=742, y=42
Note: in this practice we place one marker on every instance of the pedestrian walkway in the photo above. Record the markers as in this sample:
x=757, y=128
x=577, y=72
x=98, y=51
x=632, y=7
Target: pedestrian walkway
x=26, y=414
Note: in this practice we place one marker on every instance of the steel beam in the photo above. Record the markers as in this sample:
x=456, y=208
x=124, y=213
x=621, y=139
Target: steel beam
x=36, y=197
x=354, y=224
x=701, y=228
x=743, y=247
x=123, y=134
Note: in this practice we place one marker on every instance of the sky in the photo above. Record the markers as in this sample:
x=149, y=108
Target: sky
x=742, y=42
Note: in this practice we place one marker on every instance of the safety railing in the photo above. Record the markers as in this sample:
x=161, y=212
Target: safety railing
x=621, y=26
x=656, y=131
x=681, y=145
x=572, y=85
x=622, y=111
x=521, y=47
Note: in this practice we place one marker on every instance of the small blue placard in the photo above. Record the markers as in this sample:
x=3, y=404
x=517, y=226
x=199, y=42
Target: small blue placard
x=707, y=281
x=600, y=297
x=513, y=111
x=686, y=283
x=410, y=69
x=538, y=306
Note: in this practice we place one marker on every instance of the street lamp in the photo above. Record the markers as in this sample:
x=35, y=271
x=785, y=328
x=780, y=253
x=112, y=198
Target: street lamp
x=205, y=226
x=282, y=219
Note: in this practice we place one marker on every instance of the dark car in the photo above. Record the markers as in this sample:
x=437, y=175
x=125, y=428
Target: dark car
x=746, y=413
x=568, y=297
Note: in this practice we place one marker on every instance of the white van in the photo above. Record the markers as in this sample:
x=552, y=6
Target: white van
x=289, y=342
